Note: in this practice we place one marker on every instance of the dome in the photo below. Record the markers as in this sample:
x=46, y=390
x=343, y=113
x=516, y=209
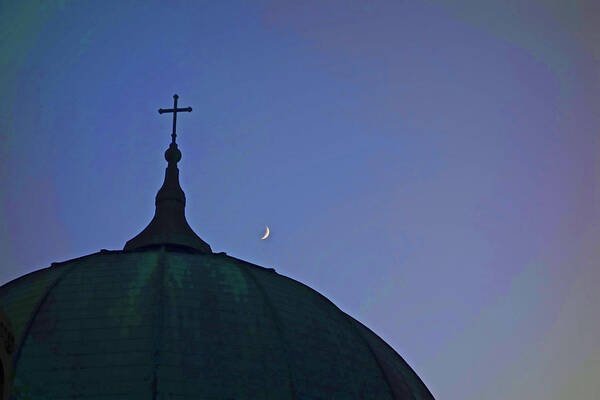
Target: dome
x=166, y=318
x=166, y=323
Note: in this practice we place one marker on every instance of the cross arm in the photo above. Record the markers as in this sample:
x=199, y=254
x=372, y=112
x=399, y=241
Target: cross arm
x=166, y=110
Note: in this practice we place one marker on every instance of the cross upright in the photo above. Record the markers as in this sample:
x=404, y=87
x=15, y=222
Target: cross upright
x=174, y=110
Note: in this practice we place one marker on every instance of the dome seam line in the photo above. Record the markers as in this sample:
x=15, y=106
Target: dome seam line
x=34, y=314
x=366, y=343
x=162, y=260
x=276, y=322
x=406, y=364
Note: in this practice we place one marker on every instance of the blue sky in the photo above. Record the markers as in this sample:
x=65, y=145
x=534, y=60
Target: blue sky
x=431, y=167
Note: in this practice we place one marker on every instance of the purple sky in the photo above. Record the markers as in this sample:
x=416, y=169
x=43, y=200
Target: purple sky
x=433, y=168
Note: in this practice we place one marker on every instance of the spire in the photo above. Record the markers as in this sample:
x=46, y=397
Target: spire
x=169, y=225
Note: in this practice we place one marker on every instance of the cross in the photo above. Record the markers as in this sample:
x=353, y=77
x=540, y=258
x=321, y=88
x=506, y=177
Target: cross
x=174, y=110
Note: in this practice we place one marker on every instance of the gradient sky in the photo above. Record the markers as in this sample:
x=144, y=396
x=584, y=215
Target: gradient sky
x=433, y=168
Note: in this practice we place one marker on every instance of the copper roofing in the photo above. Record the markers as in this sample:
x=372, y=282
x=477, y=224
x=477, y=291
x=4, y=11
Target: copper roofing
x=163, y=323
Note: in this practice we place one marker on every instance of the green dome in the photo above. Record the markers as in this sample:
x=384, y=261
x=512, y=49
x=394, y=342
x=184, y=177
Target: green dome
x=167, y=323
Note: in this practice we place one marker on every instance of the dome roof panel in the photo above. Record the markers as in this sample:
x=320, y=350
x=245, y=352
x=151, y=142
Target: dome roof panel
x=217, y=331
x=323, y=347
x=21, y=296
x=95, y=325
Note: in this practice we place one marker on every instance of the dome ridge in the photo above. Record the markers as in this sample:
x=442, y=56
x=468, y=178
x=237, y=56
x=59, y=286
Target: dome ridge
x=276, y=322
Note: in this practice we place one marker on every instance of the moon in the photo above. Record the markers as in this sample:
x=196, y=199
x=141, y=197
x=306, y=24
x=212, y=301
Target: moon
x=266, y=235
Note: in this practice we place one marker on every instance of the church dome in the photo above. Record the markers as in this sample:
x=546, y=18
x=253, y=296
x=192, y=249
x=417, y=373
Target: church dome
x=167, y=318
x=165, y=323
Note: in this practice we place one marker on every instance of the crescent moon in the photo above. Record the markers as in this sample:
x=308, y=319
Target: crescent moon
x=266, y=235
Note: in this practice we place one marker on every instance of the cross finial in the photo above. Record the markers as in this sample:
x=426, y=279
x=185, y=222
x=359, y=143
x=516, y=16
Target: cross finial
x=174, y=110
x=169, y=226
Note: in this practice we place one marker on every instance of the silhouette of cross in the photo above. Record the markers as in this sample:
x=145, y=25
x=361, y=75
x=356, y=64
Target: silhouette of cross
x=174, y=110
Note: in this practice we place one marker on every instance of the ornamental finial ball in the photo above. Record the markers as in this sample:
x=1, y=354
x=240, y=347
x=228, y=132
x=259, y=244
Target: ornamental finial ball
x=173, y=155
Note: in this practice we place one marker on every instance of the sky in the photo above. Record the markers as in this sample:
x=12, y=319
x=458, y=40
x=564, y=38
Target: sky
x=432, y=167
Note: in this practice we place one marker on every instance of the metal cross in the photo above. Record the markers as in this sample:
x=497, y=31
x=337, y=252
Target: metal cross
x=174, y=110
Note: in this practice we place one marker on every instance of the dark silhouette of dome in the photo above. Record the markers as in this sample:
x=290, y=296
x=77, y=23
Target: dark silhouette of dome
x=167, y=318
x=165, y=322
